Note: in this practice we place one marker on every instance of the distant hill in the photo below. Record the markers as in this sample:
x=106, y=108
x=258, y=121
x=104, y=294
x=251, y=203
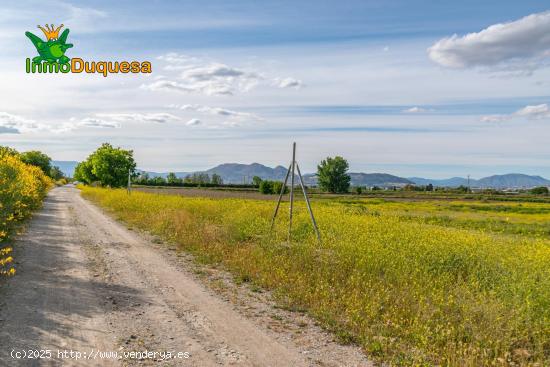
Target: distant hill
x=511, y=180
x=450, y=182
x=367, y=179
x=67, y=167
x=239, y=173
x=235, y=173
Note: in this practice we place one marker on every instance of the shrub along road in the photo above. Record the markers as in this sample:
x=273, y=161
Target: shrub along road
x=87, y=283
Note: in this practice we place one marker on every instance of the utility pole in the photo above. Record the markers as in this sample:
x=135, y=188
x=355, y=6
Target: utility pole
x=292, y=168
x=469, y=190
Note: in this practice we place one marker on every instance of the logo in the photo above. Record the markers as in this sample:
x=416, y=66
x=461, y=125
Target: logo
x=53, y=49
x=52, y=59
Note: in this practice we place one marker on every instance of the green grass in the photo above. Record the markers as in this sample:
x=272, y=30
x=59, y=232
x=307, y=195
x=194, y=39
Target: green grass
x=408, y=288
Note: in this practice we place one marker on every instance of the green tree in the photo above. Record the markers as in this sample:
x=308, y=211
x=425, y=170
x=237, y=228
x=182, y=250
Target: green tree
x=83, y=172
x=39, y=159
x=332, y=175
x=462, y=189
x=173, y=179
x=157, y=181
x=216, y=179
x=56, y=173
x=108, y=166
x=256, y=181
x=7, y=151
x=266, y=187
x=542, y=190
x=272, y=187
x=278, y=186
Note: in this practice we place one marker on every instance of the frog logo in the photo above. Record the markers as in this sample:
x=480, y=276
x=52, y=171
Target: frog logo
x=53, y=49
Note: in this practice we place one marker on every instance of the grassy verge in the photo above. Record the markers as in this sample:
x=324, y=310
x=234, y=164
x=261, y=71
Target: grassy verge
x=409, y=292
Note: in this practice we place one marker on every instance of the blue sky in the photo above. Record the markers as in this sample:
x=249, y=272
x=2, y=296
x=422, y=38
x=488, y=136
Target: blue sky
x=414, y=88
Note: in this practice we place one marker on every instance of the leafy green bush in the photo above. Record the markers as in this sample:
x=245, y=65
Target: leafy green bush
x=22, y=188
x=272, y=187
x=542, y=190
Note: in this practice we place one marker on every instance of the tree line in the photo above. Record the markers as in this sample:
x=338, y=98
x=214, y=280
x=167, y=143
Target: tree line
x=110, y=166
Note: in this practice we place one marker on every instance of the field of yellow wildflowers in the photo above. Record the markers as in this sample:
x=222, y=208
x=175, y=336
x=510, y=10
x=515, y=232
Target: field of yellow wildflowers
x=22, y=188
x=413, y=283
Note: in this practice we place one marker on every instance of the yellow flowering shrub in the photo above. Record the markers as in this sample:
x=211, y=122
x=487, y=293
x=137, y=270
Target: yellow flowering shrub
x=22, y=188
x=409, y=291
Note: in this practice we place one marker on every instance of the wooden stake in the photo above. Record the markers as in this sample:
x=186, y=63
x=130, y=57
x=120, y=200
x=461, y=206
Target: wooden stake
x=129, y=189
x=293, y=164
x=308, y=204
x=280, y=197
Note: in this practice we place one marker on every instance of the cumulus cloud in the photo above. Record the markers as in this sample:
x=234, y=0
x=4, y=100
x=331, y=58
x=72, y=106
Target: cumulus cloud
x=14, y=124
x=288, y=83
x=139, y=117
x=193, y=122
x=8, y=130
x=522, y=45
x=219, y=79
x=195, y=75
x=535, y=112
x=540, y=111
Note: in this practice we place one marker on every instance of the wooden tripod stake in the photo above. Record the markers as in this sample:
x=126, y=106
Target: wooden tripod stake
x=292, y=168
x=129, y=188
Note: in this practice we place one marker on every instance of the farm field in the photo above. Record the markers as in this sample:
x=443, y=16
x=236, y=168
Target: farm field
x=503, y=214
x=417, y=282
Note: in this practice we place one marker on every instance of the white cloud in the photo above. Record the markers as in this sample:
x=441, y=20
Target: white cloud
x=535, y=112
x=175, y=58
x=83, y=19
x=193, y=122
x=495, y=118
x=160, y=85
x=212, y=78
x=521, y=46
x=218, y=111
x=219, y=79
x=14, y=124
x=416, y=110
x=288, y=83
x=8, y=130
x=140, y=117
x=98, y=123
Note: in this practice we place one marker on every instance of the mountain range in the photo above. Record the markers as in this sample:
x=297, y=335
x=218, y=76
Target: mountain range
x=237, y=173
x=510, y=180
x=67, y=167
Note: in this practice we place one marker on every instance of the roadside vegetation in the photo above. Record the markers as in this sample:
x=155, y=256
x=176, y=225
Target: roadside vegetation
x=107, y=166
x=410, y=290
x=23, y=186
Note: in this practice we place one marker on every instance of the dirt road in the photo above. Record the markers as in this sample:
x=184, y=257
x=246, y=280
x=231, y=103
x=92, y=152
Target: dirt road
x=89, y=285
